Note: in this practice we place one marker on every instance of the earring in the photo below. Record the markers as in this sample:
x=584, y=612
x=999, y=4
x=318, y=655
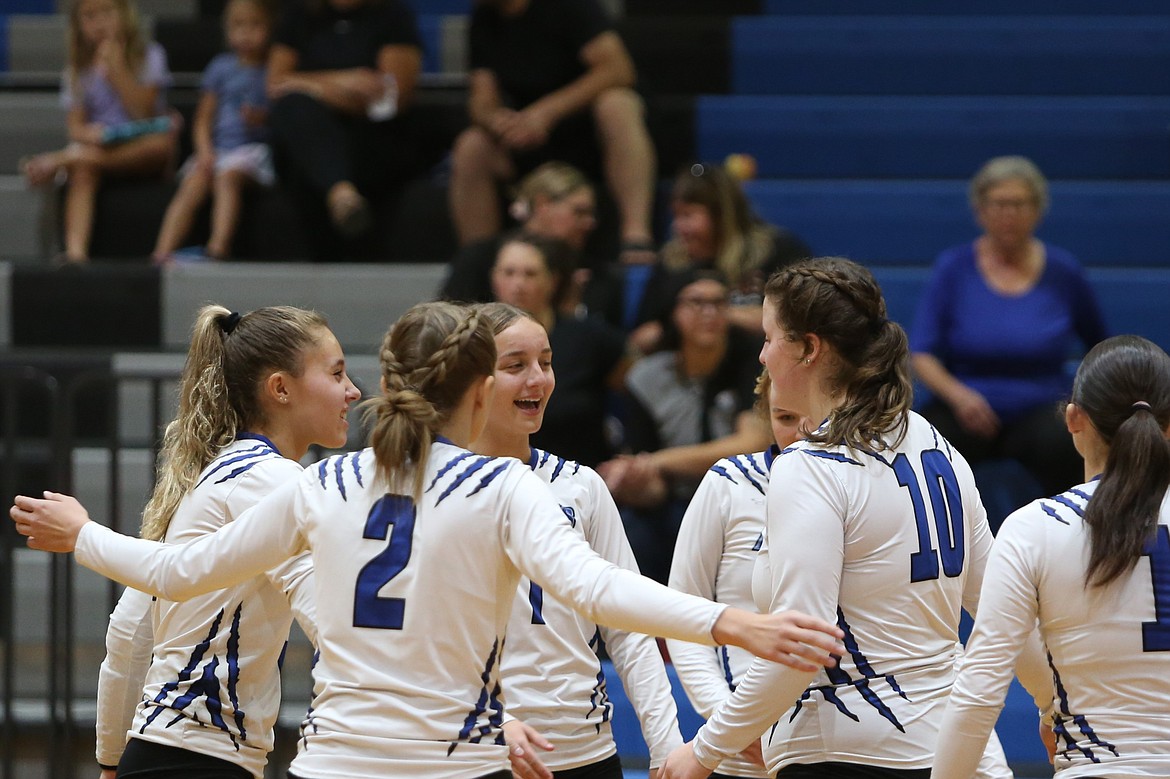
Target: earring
x=808, y=361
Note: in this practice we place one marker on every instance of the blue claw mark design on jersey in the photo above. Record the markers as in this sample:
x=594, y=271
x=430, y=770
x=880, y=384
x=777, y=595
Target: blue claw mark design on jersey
x=1053, y=513
x=599, y=698
x=1062, y=500
x=486, y=480
x=834, y=456
x=1061, y=729
x=561, y=461
x=470, y=470
x=747, y=474
x=207, y=685
x=339, y=474
x=725, y=661
x=355, y=464
x=841, y=678
x=759, y=544
x=489, y=700
x=443, y=471
x=256, y=454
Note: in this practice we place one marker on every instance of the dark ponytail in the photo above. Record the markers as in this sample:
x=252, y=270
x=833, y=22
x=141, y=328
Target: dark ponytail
x=1123, y=385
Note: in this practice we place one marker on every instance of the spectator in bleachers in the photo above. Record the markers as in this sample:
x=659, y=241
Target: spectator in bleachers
x=341, y=77
x=551, y=80
x=230, y=134
x=714, y=227
x=996, y=326
x=534, y=274
x=554, y=201
x=687, y=406
x=114, y=93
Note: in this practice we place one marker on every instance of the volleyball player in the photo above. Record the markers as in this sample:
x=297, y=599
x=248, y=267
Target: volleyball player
x=721, y=535
x=552, y=673
x=197, y=684
x=1093, y=565
x=417, y=546
x=873, y=520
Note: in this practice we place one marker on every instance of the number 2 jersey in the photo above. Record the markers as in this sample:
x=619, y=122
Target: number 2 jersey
x=552, y=674
x=1108, y=647
x=890, y=545
x=412, y=601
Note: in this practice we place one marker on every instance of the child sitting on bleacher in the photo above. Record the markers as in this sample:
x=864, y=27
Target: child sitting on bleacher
x=114, y=91
x=229, y=134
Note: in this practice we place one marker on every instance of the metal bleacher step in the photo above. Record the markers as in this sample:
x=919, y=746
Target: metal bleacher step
x=20, y=211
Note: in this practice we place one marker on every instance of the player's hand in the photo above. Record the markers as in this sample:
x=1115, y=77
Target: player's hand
x=108, y=773
x=523, y=743
x=682, y=764
x=789, y=638
x=51, y=523
x=974, y=413
x=365, y=83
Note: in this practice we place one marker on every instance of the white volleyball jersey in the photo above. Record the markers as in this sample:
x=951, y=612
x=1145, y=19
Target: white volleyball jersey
x=413, y=599
x=890, y=545
x=720, y=537
x=213, y=683
x=552, y=675
x=1108, y=647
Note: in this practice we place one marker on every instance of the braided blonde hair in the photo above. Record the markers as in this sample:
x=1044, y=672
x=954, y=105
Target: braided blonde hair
x=429, y=358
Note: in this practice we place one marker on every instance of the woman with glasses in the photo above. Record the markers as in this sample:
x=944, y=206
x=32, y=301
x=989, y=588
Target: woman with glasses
x=687, y=406
x=999, y=318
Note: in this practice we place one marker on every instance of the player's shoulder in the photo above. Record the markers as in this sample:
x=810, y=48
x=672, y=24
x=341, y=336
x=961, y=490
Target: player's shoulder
x=455, y=472
x=743, y=471
x=341, y=473
x=552, y=468
x=247, y=459
x=1065, y=510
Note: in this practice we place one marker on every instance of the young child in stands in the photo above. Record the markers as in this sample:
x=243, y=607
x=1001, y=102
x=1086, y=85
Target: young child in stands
x=114, y=92
x=230, y=136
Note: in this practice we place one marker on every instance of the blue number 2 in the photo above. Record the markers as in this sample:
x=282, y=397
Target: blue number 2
x=1156, y=634
x=371, y=610
x=946, y=506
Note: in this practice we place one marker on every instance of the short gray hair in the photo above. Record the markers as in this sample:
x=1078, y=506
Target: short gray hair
x=1010, y=168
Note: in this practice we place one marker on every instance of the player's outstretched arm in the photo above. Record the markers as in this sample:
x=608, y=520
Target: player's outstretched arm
x=788, y=637
x=51, y=523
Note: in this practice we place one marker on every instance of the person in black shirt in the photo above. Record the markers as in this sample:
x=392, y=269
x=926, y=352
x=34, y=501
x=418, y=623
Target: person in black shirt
x=551, y=80
x=342, y=75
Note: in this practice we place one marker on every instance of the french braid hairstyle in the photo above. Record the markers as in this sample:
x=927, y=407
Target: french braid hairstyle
x=219, y=393
x=429, y=358
x=1123, y=384
x=841, y=302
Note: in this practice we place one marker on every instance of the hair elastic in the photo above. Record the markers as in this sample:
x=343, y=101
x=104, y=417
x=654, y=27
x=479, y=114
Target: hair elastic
x=1141, y=404
x=229, y=322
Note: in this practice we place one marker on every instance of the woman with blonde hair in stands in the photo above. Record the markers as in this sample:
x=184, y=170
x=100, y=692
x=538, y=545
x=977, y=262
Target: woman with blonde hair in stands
x=555, y=201
x=196, y=684
x=418, y=545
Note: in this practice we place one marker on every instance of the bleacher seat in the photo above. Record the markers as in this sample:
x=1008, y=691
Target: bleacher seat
x=963, y=7
x=938, y=137
x=1104, y=223
x=951, y=55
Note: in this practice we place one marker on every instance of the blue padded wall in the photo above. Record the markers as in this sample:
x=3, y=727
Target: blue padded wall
x=951, y=55
x=937, y=137
x=1103, y=223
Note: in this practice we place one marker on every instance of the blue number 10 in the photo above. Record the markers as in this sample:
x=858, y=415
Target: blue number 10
x=946, y=507
x=371, y=610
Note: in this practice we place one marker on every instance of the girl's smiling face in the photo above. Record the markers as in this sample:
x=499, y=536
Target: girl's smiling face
x=524, y=378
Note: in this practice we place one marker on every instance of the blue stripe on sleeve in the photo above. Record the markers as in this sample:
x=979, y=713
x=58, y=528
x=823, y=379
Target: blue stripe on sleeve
x=467, y=472
x=443, y=471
